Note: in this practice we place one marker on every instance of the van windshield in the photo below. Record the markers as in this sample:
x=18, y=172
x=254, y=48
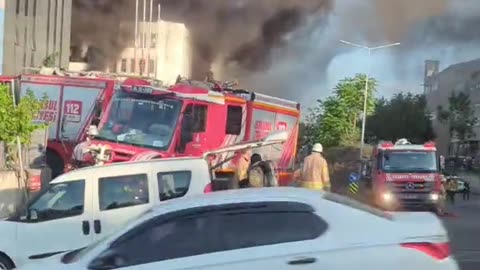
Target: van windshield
x=408, y=161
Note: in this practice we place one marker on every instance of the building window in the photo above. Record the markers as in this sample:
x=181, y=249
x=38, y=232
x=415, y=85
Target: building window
x=132, y=65
x=113, y=67
x=153, y=41
x=17, y=7
x=26, y=7
x=477, y=113
x=144, y=40
x=151, y=66
x=123, y=65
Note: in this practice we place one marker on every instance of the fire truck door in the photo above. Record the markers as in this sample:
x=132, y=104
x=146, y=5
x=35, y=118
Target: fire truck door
x=78, y=107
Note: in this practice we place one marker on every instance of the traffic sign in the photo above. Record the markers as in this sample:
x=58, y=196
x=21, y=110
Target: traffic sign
x=354, y=177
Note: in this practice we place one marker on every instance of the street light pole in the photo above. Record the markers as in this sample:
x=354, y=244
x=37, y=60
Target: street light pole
x=365, y=94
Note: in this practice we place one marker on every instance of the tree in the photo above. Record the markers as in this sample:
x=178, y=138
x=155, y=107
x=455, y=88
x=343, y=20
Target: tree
x=460, y=116
x=17, y=121
x=335, y=120
x=403, y=116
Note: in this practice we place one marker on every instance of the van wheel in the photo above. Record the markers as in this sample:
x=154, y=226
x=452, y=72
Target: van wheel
x=6, y=263
x=55, y=163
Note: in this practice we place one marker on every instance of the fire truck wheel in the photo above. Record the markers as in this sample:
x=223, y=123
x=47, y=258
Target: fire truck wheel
x=55, y=163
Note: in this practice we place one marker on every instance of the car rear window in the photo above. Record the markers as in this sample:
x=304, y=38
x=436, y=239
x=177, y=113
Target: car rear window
x=356, y=205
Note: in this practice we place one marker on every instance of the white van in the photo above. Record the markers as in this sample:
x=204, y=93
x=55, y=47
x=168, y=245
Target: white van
x=83, y=205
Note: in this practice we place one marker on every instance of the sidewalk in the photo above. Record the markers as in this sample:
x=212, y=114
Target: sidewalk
x=474, y=179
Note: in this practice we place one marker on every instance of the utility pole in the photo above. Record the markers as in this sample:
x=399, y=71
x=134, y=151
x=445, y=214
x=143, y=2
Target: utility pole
x=157, y=41
x=135, y=56
x=365, y=94
x=144, y=37
x=149, y=47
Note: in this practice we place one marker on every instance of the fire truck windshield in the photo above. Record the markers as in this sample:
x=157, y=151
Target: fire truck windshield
x=140, y=121
x=408, y=161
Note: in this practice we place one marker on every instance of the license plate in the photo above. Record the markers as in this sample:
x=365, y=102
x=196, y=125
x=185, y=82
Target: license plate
x=409, y=196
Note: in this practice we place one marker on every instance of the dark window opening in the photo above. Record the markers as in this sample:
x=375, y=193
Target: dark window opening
x=234, y=120
x=123, y=65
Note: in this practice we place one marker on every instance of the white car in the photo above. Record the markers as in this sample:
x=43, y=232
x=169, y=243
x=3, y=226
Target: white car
x=268, y=228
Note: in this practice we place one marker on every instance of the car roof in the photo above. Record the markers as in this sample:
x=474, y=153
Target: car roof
x=129, y=166
x=241, y=196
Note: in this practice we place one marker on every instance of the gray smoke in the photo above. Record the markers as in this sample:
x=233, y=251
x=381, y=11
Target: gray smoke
x=291, y=48
x=314, y=60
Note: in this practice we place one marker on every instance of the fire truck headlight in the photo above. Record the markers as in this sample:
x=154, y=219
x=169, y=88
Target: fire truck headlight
x=434, y=196
x=387, y=196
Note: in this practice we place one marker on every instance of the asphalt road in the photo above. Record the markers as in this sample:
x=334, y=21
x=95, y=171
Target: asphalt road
x=464, y=229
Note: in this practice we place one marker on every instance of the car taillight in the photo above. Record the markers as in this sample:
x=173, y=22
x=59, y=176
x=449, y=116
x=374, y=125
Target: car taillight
x=35, y=183
x=437, y=251
x=208, y=188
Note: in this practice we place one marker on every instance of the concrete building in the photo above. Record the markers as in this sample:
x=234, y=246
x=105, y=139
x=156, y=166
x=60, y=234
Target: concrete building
x=438, y=86
x=163, y=52
x=31, y=31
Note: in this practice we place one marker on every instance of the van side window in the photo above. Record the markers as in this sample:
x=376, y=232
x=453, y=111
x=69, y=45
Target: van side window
x=234, y=120
x=60, y=200
x=122, y=191
x=173, y=185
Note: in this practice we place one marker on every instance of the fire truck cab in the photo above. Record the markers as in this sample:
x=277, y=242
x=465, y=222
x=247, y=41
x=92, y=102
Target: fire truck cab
x=190, y=118
x=406, y=176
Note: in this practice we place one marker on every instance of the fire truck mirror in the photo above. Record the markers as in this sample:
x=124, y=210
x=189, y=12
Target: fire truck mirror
x=97, y=113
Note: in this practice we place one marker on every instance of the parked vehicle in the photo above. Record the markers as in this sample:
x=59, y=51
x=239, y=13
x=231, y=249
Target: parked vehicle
x=259, y=229
x=86, y=204
x=406, y=176
x=191, y=118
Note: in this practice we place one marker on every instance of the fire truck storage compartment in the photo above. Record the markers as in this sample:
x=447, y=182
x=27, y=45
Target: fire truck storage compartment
x=70, y=103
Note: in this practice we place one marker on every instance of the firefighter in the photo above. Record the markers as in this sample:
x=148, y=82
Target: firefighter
x=315, y=170
x=241, y=169
x=451, y=189
x=79, y=155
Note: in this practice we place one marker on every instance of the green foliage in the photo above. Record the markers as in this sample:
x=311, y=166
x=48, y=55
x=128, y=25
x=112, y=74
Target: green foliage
x=460, y=116
x=17, y=120
x=403, y=116
x=50, y=60
x=336, y=120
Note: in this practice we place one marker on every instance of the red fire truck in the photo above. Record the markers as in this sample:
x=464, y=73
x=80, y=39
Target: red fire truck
x=72, y=103
x=144, y=122
x=406, y=175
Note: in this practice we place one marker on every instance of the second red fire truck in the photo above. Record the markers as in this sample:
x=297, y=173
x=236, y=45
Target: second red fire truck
x=406, y=175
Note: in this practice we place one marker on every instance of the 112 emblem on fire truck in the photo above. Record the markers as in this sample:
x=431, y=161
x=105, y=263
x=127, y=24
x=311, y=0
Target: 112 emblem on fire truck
x=72, y=111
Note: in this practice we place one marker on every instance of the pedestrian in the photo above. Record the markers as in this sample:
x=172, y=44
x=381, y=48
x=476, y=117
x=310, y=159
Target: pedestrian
x=451, y=190
x=315, y=170
x=466, y=191
x=442, y=163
